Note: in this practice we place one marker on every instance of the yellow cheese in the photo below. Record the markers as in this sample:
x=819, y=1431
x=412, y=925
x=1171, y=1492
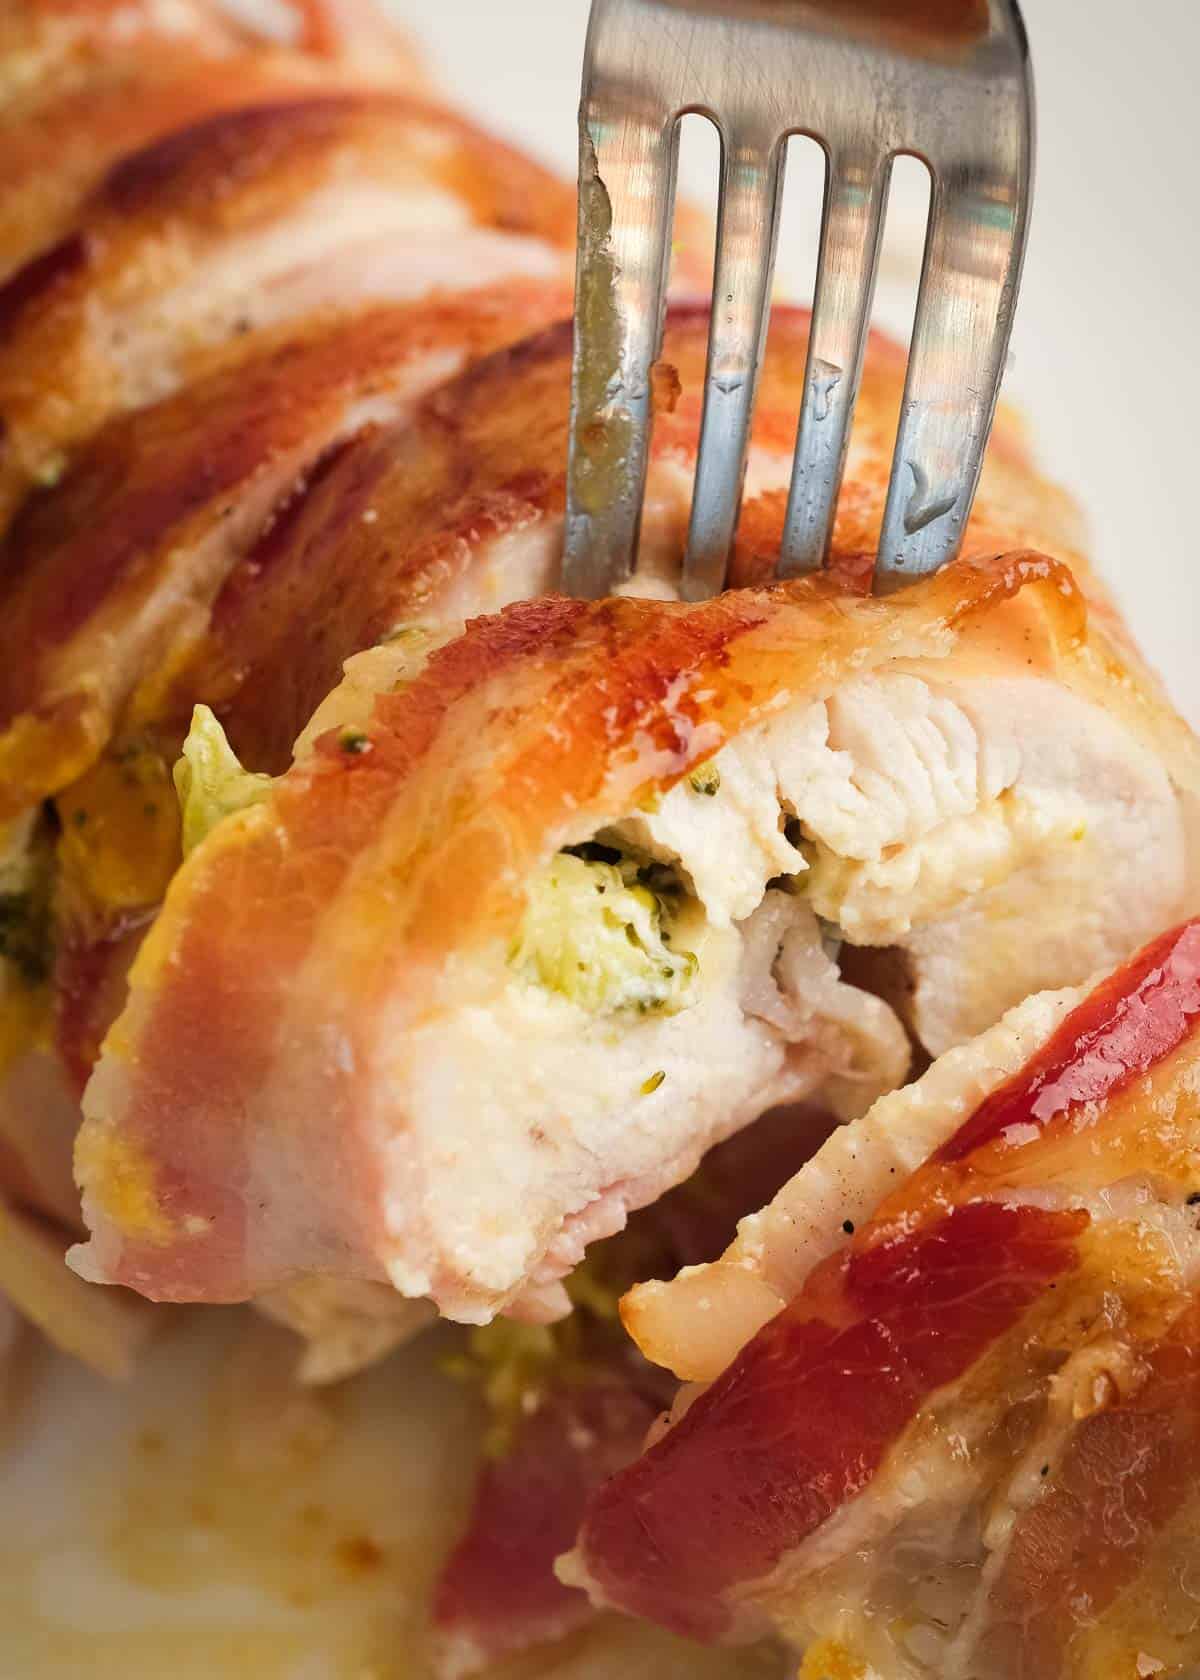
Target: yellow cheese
x=120, y=842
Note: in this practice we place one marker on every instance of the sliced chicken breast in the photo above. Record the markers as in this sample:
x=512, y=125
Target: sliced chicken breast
x=486, y=989
x=964, y=1444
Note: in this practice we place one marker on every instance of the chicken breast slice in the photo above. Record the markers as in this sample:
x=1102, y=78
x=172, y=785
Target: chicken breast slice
x=571, y=1004
x=934, y=811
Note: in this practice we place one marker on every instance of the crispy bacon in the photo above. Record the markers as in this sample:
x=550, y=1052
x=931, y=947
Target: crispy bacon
x=247, y=217
x=103, y=78
x=822, y=1442
x=58, y=153
x=804, y=1417
x=1126, y=1027
x=1078, y=1086
x=44, y=42
x=498, y=1592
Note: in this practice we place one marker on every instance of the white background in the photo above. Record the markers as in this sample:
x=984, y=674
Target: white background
x=1106, y=350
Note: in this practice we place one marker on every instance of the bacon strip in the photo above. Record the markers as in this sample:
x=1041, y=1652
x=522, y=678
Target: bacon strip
x=447, y=515
x=1102, y=1528
x=1077, y=1084
x=801, y=1421
x=498, y=1592
x=49, y=42
x=103, y=576
x=57, y=153
x=223, y=223
x=430, y=833
x=103, y=78
x=1128, y=1024
x=835, y=1407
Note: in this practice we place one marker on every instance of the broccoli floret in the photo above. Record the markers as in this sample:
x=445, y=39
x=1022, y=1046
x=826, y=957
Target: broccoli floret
x=705, y=779
x=596, y=933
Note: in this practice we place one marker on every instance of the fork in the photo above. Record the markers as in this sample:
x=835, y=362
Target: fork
x=948, y=81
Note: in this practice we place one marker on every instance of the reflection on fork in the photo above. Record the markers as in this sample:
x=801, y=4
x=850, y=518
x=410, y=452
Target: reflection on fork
x=948, y=83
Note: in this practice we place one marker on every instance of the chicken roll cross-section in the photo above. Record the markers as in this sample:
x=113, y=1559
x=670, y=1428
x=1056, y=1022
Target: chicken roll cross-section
x=965, y=1445
x=500, y=960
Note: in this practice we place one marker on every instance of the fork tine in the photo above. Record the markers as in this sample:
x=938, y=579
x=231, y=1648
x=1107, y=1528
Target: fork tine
x=747, y=229
x=960, y=339
x=855, y=201
x=626, y=204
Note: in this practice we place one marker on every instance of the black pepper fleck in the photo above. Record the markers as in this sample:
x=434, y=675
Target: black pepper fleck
x=848, y=1227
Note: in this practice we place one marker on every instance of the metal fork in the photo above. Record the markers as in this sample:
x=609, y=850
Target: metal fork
x=945, y=80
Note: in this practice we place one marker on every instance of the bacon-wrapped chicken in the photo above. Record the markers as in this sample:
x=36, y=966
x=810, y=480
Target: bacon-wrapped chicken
x=195, y=314
x=412, y=929
x=519, y=937
x=959, y=1437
